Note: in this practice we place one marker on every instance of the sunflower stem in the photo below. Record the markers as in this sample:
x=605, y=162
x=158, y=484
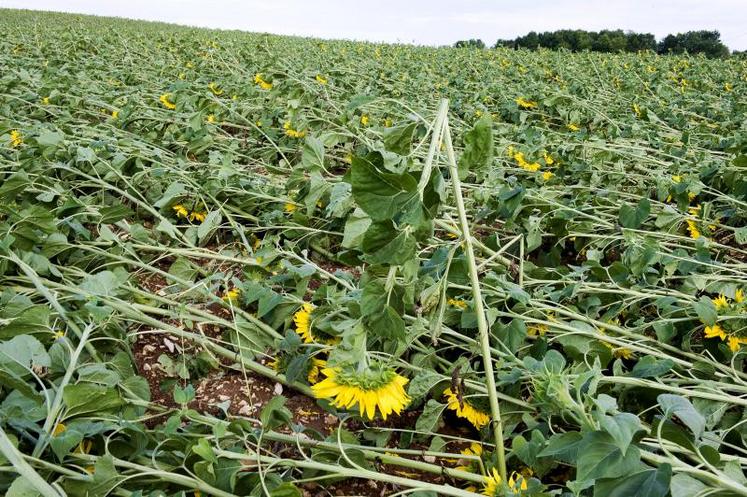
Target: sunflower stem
x=482, y=323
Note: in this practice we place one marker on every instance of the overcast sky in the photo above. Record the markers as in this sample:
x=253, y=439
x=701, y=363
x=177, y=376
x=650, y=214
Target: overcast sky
x=431, y=22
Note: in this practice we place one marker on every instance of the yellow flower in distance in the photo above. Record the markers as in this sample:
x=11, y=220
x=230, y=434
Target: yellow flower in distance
x=261, y=82
x=374, y=389
x=739, y=296
x=525, y=104
x=321, y=79
x=217, y=91
x=15, y=138
x=465, y=410
x=165, y=99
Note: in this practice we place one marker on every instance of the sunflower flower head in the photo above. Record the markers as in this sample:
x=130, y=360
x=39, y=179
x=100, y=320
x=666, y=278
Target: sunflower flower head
x=715, y=331
x=720, y=302
x=525, y=104
x=464, y=409
x=321, y=79
x=166, y=101
x=692, y=229
x=232, y=295
x=376, y=389
x=16, y=139
x=493, y=484
x=215, y=89
x=524, y=164
x=469, y=465
x=302, y=319
x=315, y=368
x=181, y=211
x=459, y=304
x=739, y=296
x=260, y=81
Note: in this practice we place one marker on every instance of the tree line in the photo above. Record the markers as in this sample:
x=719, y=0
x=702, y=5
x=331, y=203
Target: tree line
x=576, y=40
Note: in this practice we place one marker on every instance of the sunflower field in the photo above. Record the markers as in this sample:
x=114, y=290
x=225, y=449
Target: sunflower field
x=237, y=264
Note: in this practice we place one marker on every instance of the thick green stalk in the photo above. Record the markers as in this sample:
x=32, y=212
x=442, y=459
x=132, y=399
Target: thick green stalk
x=24, y=469
x=482, y=323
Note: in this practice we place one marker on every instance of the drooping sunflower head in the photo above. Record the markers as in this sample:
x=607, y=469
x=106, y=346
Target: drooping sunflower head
x=463, y=408
x=302, y=319
x=377, y=388
x=470, y=465
x=494, y=484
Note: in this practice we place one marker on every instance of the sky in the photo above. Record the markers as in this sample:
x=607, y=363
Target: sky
x=426, y=22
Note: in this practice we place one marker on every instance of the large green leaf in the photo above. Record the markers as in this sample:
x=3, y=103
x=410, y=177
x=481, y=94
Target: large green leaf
x=633, y=217
x=380, y=194
x=682, y=408
x=383, y=243
x=653, y=482
x=478, y=147
x=600, y=457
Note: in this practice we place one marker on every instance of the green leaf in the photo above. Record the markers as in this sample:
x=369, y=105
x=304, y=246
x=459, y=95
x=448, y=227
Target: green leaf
x=84, y=398
x=174, y=190
x=22, y=353
x=398, y=139
x=355, y=228
x=478, y=147
x=50, y=138
x=633, y=218
x=381, y=195
x=600, y=457
x=63, y=443
x=429, y=418
x=285, y=489
x=682, y=408
x=384, y=244
x=203, y=449
x=182, y=395
x=388, y=324
x=706, y=311
x=274, y=414
x=206, y=228
x=683, y=485
x=21, y=487
x=740, y=235
x=563, y=447
x=422, y=383
x=650, y=367
x=621, y=427
x=312, y=158
x=12, y=187
x=653, y=482
x=105, y=283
